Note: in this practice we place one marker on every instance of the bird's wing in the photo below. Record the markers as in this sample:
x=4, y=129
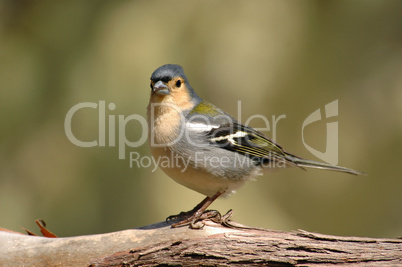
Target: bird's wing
x=226, y=132
x=247, y=141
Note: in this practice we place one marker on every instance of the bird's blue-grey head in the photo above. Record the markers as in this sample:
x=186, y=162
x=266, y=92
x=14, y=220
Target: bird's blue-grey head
x=167, y=77
x=167, y=72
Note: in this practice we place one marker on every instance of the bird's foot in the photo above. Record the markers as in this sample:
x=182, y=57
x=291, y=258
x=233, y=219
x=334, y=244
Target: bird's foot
x=225, y=219
x=195, y=219
x=181, y=216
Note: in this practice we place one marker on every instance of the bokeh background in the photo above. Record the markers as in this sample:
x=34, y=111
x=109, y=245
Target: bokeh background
x=276, y=57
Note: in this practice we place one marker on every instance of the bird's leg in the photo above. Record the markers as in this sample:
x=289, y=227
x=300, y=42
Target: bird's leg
x=198, y=213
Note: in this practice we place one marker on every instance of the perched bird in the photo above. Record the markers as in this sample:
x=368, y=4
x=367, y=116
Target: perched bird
x=203, y=147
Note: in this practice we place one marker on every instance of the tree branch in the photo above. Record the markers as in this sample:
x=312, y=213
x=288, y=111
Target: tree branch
x=213, y=245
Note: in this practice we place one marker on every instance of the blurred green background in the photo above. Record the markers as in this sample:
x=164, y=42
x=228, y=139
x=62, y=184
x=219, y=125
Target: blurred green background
x=277, y=57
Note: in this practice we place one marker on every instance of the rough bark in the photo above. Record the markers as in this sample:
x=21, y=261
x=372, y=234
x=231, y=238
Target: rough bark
x=216, y=245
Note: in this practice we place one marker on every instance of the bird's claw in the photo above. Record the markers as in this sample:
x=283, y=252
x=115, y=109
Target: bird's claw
x=181, y=215
x=196, y=221
x=223, y=220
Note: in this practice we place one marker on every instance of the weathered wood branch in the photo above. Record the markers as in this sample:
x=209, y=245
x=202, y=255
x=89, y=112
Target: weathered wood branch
x=213, y=245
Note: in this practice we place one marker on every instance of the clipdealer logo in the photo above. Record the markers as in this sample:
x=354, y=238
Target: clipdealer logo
x=107, y=131
x=123, y=142
x=330, y=155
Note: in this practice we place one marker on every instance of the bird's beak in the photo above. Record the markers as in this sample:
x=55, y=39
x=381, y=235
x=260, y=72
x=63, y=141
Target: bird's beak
x=161, y=89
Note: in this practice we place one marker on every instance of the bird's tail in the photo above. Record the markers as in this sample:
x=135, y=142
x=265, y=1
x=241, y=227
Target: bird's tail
x=319, y=165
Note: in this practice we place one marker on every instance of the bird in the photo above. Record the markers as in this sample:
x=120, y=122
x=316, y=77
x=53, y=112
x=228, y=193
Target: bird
x=206, y=149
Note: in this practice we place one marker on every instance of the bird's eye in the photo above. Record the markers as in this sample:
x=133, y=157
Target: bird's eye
x=151, y=85
x=178, y=83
